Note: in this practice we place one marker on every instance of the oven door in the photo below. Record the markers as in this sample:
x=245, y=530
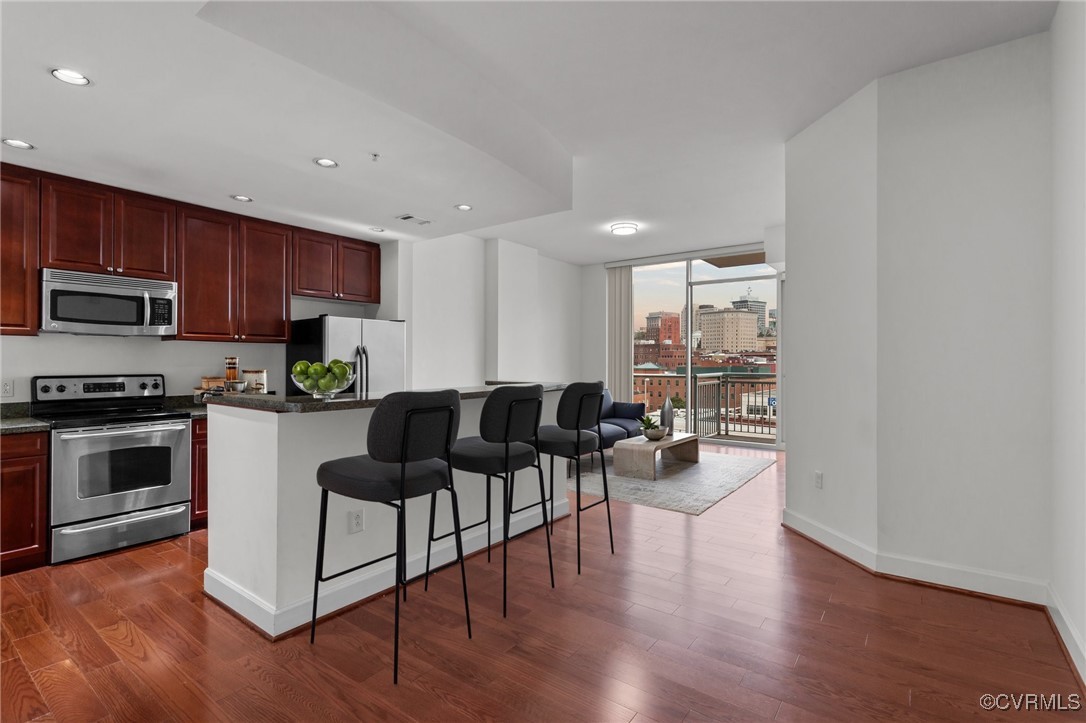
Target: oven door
x=114, y=469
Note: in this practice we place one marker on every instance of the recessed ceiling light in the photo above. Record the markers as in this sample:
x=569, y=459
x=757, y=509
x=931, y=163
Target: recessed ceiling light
x=462, y=207
x=70, y=76
x=623, y=229
x=243, y=199
x=16, y=143
x=376, y=229
x=325, y=162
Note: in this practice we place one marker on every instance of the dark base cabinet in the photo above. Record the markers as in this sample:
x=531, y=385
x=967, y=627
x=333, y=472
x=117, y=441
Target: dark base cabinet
x=199, y=473
x=24, y=508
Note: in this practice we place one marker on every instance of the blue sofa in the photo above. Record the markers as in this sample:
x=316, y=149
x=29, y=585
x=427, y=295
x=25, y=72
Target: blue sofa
x=619, y=420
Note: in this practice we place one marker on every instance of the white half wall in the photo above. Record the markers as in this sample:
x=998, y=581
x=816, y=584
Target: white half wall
x=1068, y=357
x=830, y=309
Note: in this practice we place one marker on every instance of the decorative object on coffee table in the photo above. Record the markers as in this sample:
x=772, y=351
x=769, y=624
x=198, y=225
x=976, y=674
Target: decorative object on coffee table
x=667, y=413
x=651, y=429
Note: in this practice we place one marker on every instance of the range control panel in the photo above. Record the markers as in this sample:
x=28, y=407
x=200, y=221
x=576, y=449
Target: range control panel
x=56, y=389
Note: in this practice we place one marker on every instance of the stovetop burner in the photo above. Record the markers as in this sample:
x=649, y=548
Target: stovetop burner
x=80, y=401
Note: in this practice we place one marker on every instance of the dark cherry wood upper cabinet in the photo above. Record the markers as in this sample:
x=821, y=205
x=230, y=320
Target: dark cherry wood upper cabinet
x=24, y=522
x=76, y=226
x=315, y=264
x=207, y=273
x=144, y=236
x=264, y=281
x=359, y=273
x=19, y=289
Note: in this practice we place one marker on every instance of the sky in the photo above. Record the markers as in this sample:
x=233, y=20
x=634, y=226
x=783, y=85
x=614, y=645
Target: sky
x=662, y=288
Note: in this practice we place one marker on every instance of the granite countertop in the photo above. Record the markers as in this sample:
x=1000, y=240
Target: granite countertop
x=22, y=425
x=280, y=403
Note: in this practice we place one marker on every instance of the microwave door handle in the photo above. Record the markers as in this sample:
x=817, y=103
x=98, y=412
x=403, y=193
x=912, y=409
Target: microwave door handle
x=146, y=308
x=123, y=432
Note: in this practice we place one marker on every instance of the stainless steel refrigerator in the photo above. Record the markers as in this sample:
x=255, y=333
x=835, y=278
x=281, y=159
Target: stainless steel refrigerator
x=376, y=347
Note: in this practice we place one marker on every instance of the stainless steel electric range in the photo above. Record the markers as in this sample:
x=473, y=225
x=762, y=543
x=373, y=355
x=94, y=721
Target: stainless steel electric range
x=119, y=461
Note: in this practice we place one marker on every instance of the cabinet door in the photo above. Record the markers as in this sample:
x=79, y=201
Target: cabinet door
x=144, y=236
x=359, y=272
x=19, y=289
x=76, y=226
x=24, y=524
x=207, y=274
x=314, y=264
x=198, y=504
x=264, y=281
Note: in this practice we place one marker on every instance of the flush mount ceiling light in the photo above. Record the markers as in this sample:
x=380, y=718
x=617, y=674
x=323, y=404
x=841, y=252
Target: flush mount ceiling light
x=16, y=143
x=623, y=229
x=70, y=76
x=462, y=207
x=242, y=199
x=325, y=162
x=375, y=229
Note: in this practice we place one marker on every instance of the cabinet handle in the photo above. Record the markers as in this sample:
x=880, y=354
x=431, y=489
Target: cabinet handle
x=242, y=336
x=120, y=271
x=109, y=268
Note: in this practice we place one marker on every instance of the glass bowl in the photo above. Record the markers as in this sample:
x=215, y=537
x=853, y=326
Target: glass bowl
x=321, y=393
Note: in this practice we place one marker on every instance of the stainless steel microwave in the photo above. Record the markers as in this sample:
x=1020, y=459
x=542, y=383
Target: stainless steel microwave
x=79, y=303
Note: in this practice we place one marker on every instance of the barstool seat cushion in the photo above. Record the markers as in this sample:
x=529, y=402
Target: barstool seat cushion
x=474, y=454
x=364, y=478
x=563, y=442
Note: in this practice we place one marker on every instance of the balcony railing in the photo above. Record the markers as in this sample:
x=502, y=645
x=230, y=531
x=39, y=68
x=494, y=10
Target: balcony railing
x=734, y=406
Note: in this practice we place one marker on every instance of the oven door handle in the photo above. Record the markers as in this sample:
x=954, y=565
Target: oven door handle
x=121, y=433
x=126, y=521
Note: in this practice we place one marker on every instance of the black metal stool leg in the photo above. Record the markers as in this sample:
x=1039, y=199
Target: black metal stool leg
x=430, y=539
x=403, y=546
x=607, y=500
x=488, y=542
x=552, y=492
x=543, y=509
x=505, y=539
x=460, y=554
x=320, y=563
x=578, y=515
x=396, y=595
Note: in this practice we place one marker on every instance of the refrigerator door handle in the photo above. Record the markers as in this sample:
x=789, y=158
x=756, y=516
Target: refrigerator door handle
x=362, y=358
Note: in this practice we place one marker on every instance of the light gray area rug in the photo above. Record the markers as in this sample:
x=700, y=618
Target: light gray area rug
x=681, y=486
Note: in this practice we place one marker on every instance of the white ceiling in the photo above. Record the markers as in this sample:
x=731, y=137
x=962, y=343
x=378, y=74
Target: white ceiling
x=553, y=119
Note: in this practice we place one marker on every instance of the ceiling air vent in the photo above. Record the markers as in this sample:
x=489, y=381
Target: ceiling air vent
x=413, y=219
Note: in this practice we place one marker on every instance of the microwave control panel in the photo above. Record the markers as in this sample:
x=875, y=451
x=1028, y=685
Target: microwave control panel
x=161, y=312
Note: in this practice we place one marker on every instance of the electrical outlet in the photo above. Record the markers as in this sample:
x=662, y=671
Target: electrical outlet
x=7, y=388
x=356, y=521
x=818, y=479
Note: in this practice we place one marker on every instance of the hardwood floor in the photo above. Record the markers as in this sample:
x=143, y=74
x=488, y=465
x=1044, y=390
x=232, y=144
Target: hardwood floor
x=721, y=617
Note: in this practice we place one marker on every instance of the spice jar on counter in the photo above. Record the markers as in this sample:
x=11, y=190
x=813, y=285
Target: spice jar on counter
x=231, y=368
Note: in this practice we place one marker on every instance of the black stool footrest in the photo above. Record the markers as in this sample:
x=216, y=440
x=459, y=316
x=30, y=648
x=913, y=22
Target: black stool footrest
x=359, y=567
x=597, y=502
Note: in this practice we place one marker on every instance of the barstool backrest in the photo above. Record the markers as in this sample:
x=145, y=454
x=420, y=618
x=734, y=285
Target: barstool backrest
x=413, y=426
x=579, y=406
x=511, y=414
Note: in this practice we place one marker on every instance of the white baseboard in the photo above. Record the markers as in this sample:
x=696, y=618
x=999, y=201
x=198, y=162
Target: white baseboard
x=1071, y=635
x=370, y=581
x=843, y=544
x=964, y=577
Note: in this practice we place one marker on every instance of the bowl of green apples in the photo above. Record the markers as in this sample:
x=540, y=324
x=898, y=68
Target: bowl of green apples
x=322, y=380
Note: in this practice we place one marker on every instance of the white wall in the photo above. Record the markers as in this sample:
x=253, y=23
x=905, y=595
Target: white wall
x=447, y=325
x=1068, y=358
x=593, y=323
x=559, y=321
x=513, y=310
x=830, y=311
x=924, y=246
x=964, y=233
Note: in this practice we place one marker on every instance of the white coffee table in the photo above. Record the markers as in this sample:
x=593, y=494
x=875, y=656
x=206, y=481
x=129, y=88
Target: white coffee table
x=637, y=457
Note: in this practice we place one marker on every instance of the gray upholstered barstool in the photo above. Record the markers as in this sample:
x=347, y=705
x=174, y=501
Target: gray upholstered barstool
x=409, y=442
x=509, y=421
x=578, y=414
